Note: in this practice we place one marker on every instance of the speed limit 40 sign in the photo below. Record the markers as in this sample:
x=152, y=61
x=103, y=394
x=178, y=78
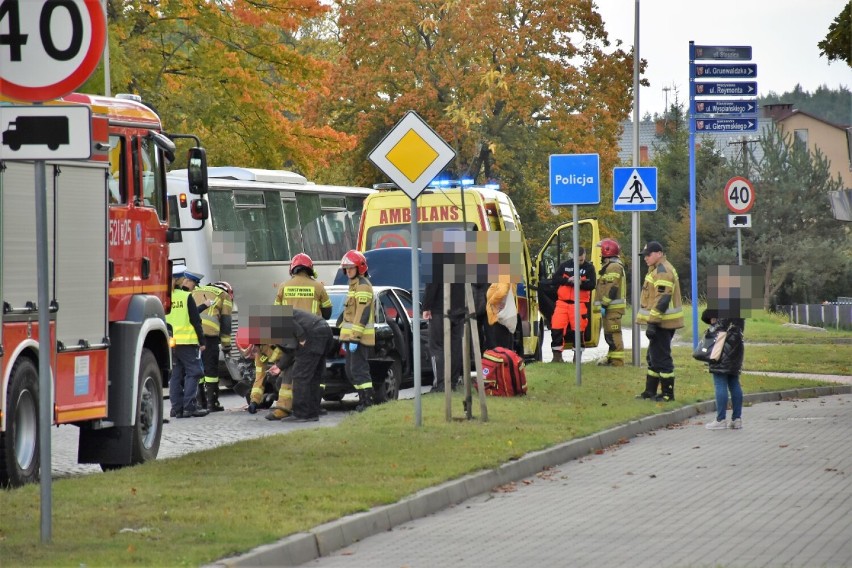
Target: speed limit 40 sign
x=48, y=48
x=739, y=195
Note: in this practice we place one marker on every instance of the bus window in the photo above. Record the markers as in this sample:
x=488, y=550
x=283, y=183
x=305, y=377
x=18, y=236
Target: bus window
x=153, y=171
x=222, y=211
x=310, y=218
x=355, y=207
x=117, y=181
x=292, y=229
x=337, y=236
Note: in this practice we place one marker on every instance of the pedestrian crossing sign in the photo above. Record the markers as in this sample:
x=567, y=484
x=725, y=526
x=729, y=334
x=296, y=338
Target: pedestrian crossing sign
x=634, y=189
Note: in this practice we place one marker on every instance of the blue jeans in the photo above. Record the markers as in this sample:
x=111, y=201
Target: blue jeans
x=723, y=384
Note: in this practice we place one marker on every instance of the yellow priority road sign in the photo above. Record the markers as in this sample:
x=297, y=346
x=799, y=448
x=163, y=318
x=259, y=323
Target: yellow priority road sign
x=412, y=154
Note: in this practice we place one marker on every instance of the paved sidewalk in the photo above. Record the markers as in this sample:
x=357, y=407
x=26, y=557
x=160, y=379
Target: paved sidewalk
x=777, y=493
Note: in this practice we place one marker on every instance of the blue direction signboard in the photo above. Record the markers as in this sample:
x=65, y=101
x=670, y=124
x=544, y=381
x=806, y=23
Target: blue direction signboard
x=575, y=179
x=741, y=89
x=723, y=52
x=725, y=70
x=634, y=189
x=725, y=124
x=726, y=107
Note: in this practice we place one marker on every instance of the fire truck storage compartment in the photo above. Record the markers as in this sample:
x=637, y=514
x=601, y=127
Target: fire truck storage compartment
x=77, y=247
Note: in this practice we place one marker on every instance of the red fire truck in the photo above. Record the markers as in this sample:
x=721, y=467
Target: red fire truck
x=109, y=290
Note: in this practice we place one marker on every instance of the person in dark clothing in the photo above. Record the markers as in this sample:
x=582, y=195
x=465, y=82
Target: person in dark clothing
x=185, y=327
x=306, y=340
x=434, y=310
x=726, y=371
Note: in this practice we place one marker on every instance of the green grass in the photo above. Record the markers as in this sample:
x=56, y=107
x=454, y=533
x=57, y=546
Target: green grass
x=211, y=504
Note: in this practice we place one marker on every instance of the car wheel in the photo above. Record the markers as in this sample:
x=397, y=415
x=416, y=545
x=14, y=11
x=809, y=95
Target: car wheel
x=19, y=444
x=149, y=405
x=388, y=388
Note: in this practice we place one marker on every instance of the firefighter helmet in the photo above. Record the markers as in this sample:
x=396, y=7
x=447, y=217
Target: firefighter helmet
x=302, y=260
x=222, y=285
x=356, y=259
x=609, y=248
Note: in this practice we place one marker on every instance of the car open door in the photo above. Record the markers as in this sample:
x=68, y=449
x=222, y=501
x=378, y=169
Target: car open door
x=558, y=248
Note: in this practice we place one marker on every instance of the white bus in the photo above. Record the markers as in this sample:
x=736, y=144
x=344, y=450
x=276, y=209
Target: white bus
x=276, y=214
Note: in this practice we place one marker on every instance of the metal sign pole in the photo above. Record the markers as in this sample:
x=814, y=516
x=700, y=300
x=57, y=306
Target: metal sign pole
x=45, y=416
x=415, y=293
x=578, y=355
x=634, y=222
x=739, y=246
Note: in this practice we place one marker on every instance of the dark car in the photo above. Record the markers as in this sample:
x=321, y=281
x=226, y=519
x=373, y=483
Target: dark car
x=391, y=365
x=388, y=267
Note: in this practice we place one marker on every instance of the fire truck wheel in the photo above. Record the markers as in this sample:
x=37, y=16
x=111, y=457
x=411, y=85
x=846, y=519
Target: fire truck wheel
x=149, y=415
x=19, y=459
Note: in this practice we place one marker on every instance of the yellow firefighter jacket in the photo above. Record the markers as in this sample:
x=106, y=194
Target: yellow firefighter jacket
x=661, y=302
x=214, y=307
x=358, y=316
x=611, y=288
x=304, y=293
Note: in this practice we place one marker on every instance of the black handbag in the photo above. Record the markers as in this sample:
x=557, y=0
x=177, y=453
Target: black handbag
x=709, y=348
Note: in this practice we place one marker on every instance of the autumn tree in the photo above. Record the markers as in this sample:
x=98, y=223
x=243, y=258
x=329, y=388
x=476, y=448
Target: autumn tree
x=506, y=83
x=230, y=72
x=837, y=45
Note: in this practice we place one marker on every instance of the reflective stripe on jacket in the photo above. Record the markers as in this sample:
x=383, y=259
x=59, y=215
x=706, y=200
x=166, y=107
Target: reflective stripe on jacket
x=358, y=313
x=183, y=331
x=611, y=290
x=214, y=307
x=303, y=293
x=661, y=302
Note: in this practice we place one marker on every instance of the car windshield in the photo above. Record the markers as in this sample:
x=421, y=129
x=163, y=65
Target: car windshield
x=338, y=299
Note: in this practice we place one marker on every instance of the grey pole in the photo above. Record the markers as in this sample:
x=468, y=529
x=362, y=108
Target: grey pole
x=415, y=321
x=634, y=225
x=45, y=416
x=577, y=340
x=107, y=85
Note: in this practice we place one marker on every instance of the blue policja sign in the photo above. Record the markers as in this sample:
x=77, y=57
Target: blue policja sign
x=575, y=179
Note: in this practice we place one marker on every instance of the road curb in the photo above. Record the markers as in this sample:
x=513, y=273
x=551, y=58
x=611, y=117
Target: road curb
x=303, y=547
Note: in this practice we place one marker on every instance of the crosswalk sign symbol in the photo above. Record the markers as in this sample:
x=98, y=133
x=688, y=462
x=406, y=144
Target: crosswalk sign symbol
x=634, y=189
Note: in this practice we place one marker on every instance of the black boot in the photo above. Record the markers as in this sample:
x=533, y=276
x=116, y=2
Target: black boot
x=365, y=400
x=201, y=395
x=650, y=388
x=667, y=394
x=213, y=404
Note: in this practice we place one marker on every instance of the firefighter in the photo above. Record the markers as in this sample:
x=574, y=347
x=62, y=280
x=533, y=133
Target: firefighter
x=303, y=291
x=357, y=331
x=270, y=359
x=610, y=298
x=661, y=310
x=307, y=339
x=563, y=316
x=215, y=304
x=188, y=342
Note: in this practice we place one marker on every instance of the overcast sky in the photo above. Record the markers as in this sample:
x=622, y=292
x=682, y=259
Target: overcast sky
x=783, y=35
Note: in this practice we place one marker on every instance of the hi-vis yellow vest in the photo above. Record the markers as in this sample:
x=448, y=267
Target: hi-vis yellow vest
x=178, y=318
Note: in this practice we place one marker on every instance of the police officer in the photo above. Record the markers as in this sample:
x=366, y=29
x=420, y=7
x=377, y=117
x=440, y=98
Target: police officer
x=563, y=315
x=188, y=338
x=357, y=330
x=303, y=291
x=661, y=309
x=610, y=298
x=215, y=304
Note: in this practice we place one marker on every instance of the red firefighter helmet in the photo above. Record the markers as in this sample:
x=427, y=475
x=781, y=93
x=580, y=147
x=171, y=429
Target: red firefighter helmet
x=222, y=285
x=356, y=259
x=301, y=260
x=609, y=248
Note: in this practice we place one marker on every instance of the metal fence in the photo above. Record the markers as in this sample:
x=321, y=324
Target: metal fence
x=835, y=315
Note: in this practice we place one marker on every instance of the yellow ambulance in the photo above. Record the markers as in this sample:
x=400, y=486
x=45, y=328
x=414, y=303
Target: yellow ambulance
x=386, y=222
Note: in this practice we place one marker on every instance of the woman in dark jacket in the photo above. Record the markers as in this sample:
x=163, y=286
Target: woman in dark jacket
x=726, y=371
